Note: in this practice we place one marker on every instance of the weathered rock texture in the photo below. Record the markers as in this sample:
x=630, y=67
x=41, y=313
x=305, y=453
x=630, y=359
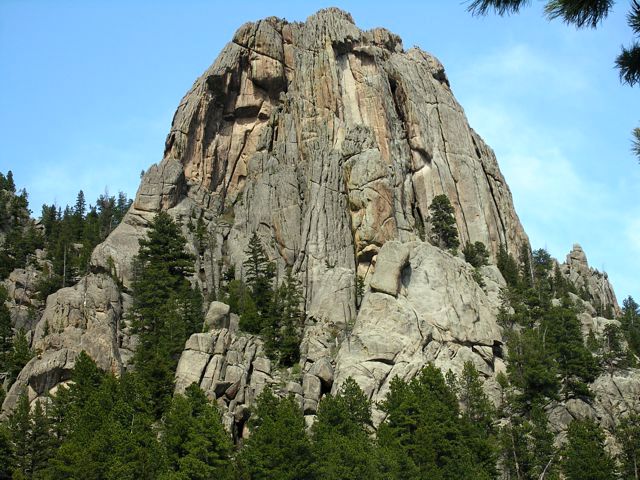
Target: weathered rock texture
x=594, y=283
x=330, y=143
x=85, y=317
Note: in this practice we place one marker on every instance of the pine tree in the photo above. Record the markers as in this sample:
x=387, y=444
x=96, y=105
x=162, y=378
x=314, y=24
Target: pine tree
x=475, y=404
x=584, y=453
x=532, y=368
x=19, y=426
x=6, y=331
x=196, y=444
x=443, y=223
x=628, y=437
x=259, y=273
x=508, y=267
x=476, y=254
x=5, y=450
x=164, y=307
x=527, y=450
x=576, y=364
x=41, y=441
x=424, y=434
x=342, y=447
x=283, y=327
x=630, y=322
x=278, y=447
x=19, y=355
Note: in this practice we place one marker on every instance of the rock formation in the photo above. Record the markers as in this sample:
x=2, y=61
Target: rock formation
x=330, y=142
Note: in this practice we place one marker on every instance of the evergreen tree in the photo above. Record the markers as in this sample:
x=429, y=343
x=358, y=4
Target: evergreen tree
x=107, y=429
x=425, y=435
x=19, y=426
x=476, y=254
x=342, y=447
x=19, y=355
x=576, y=364
x=278, y=447
x=41, y=441
x=196, y=444
x=161, y=297
x=6, y=331
x=630, y=322
x=443, y=223
x=527, y=450
x=584, y=455
x=283, y=332
x=5, y=449
x=613, y=353
x=532, y=368
x=508, y=267
x=628, y=437
x=475, y=404
x=259, y=277
x=30, y=439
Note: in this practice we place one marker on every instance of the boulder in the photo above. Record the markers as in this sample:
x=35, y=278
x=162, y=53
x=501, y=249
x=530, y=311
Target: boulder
x=217, y=316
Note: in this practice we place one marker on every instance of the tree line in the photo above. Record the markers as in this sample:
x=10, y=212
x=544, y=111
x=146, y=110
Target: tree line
x=435, y=425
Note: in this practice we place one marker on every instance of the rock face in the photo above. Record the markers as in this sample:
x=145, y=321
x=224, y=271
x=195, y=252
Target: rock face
x=594, y=283
x=330, y=143
x=85, y=317
x=327, y=140
x=440, y=315
x=22, y=285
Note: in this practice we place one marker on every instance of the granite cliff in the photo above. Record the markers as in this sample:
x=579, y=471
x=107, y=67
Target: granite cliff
x=330, y=142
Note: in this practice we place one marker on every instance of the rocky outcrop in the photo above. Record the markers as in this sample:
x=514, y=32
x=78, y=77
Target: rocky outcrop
x=439, y=315
x=23, y=299
x=330, y=143
x=87, y=316
x=594, y=284
x=327, y=140
x=233, y=369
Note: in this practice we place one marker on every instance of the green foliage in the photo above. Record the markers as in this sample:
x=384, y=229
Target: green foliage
x=532, y=368
x=5, y=451
x=628, y=438
x=359, y=289
x=6, y=331
x=584, y=453
x=29, y=439
x=165, y=311
x=278, y=447
x=630, y=324
x=283, y=332
x=195, y=442
x=613, y=354
x=21, y=238
x=342, y=447
x=476, y=254
x=275, y=313
x=526, y=447
x=425, y=436
x=103, y=426
x=18, y=356
x=576, y=365
x=475, y=404
x=508, y=267
x=260, y=273
x=443, y=223
x=6, y=182
x=71, y=234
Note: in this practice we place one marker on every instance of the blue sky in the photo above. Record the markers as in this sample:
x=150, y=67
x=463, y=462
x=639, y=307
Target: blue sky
x=88, y=90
